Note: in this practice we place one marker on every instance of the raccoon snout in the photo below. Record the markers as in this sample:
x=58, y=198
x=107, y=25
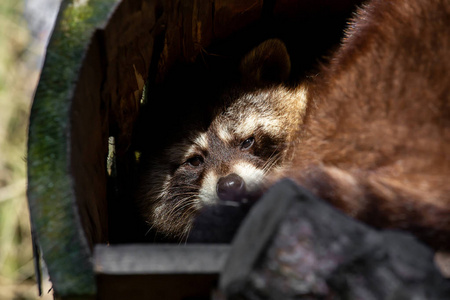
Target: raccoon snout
x=231, y=188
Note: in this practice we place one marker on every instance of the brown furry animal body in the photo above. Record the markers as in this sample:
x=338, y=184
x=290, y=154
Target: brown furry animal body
x=374, y=141
x=376, y=138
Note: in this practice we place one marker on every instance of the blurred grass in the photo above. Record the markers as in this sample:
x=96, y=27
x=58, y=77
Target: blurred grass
x=18, y=78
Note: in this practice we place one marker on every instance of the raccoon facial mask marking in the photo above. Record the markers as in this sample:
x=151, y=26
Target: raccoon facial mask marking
x=199, y=144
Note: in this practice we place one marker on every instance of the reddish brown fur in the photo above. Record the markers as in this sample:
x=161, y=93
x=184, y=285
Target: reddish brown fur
x=376, y=139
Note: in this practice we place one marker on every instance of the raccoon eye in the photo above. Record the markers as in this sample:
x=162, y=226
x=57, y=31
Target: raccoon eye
x=195, y=161
x=247, y=143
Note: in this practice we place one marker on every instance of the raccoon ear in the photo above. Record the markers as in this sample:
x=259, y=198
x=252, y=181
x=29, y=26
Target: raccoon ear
x=267, y=63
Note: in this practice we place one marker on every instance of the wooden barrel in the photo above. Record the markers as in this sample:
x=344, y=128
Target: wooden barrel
x=100, y=56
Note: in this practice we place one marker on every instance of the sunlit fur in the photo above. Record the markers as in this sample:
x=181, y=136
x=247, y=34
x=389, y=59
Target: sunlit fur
x=376, y=138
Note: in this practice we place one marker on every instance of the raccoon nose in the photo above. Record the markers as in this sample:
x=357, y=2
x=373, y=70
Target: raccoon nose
x=231, y=188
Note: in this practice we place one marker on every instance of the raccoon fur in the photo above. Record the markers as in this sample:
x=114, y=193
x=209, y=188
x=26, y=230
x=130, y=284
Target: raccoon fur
x=375, y=141
x=371, y=134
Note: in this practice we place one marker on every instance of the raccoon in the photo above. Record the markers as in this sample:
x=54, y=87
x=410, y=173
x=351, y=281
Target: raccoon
x=250, y=135
x=370, y=133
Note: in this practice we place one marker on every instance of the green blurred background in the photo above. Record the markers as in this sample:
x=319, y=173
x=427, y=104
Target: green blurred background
x=24, y=28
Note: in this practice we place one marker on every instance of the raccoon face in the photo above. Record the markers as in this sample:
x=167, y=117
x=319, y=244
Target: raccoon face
x=227, y=161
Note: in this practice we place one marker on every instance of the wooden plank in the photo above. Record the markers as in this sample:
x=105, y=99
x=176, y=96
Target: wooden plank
x=172, y=272
x=131, y=259
x=55, y=220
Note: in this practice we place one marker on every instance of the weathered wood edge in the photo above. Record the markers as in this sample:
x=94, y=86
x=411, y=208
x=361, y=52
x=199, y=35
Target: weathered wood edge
x=53, y=211
x=141, y=259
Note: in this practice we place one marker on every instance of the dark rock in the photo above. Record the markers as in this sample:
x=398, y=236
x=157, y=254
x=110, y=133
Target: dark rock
x=294, y=246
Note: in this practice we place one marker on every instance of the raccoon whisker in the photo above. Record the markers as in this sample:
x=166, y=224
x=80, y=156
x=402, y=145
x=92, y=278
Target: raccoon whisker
x=187, y=202
x=183, y=194
x=188, y=189
x=182, y=208
x=174, y=212
x=272, y=160
x=150, y=229
x=186, y=197
x=189, y=211
x=184, y=237
x=159, y=193
x=270, y=163
x=155, y=191
x=274, y=153
x=181, y=198
x=187, y=231
x=269, y=167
